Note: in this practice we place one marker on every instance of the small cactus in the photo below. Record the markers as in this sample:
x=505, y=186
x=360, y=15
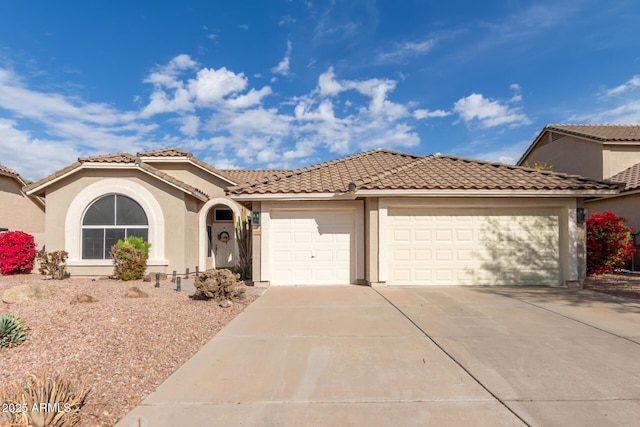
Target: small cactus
x=12, y=330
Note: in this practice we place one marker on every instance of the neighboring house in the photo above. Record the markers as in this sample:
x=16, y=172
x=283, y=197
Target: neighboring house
x=602, y=152
x=18, y=211
x=169, y=197
x=382, y=217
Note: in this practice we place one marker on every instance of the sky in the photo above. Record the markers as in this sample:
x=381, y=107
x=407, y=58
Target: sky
x=290, y=83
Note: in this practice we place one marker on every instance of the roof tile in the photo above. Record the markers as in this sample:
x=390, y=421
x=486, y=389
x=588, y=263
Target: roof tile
x=604, y=133
x=389, y=170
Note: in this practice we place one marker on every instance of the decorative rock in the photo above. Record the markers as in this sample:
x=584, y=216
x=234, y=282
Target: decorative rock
x=136, y=292
x=83, y=299
x=225, y=303
x=25, y=293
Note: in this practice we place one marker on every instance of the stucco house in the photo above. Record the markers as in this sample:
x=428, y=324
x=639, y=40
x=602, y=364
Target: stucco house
x=602, y=152
x=19, y=211
x=378, y=217
x=388, y=218
x=172, y=199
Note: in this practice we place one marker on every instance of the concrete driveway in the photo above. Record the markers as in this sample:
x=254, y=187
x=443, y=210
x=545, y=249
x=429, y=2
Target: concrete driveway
x=356, y=356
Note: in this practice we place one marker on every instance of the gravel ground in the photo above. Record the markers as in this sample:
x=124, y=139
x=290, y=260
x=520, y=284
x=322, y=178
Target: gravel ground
x=124, y=347
x=626, y=285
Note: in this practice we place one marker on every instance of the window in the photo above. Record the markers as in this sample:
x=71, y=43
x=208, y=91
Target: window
x=223, y=215
x=108, y=220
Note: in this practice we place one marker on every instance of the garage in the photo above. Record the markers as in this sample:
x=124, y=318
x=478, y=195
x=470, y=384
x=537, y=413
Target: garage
x=473, y=246
x=311, y=247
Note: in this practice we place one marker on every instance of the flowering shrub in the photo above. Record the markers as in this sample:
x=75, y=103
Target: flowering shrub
x=609, y=243
x=17, y=252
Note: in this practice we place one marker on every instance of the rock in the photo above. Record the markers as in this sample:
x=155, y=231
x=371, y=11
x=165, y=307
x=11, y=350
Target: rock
x=83, y=299
x=225, y=303
x=25, y=293
x=136, y=292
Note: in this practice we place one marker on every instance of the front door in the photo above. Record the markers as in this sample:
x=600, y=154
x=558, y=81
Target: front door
x=223, y=244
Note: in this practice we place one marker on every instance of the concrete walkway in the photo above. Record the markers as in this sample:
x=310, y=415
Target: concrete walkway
x=357, y=356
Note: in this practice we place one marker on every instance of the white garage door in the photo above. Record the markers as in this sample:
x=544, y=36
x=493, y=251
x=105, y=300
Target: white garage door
x=473, y=246
x=311, y=247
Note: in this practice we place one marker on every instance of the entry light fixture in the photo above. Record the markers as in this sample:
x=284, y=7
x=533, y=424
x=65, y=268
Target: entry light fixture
x=581, y=215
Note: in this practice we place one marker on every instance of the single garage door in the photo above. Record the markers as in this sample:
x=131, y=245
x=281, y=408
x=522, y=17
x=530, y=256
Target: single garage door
x=311, y=247
x=473, y=246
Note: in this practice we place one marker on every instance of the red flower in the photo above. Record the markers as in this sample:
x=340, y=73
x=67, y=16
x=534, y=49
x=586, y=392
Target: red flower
x=609, y=243
x=17, y=252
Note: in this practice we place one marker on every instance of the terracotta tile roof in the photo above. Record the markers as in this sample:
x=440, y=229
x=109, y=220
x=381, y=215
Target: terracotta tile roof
x=603, y=133
x=389, y=170
x=109, y=158
x=630, y=177
x=118, y=158
x=328, y=177
x=250, y=175
x=6, y=171
x=165, y=152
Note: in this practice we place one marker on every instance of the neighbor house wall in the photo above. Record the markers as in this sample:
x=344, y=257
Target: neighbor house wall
x=616, y=158
x=568, y=154
x=625, y=205
x=19, y=212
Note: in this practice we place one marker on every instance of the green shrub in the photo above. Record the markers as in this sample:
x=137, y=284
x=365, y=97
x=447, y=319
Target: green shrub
x=130, y=258
x=52, y=264
x=13, y=330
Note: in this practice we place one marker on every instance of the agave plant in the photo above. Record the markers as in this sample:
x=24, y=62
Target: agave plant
x=12, y=330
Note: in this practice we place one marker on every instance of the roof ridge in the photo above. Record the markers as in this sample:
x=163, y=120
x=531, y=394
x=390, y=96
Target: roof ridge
x=317, y=166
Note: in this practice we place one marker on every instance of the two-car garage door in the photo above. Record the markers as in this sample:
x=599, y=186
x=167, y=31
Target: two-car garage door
x=479, y=246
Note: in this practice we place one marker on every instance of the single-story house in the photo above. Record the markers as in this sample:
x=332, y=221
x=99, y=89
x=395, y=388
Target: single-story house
x=172, y=199
x=378, y=217
x=19, y=211
x=601, y=152
x=383, y=217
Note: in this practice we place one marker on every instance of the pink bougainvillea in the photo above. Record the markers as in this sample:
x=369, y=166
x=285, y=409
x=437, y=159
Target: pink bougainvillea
x=609, y=243
x=17, y=252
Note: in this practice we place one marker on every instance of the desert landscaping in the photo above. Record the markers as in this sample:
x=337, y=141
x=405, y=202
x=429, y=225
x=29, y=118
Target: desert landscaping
x=122, y=347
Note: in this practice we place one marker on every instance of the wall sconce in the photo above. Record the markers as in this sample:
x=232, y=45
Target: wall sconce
x=581, y=215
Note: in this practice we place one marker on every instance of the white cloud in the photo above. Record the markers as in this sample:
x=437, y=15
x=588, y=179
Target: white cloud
x=630, y=84
x=211, y=85
x=328, y=85
x=488, y=112
x=427, y=114
x=190, y=125
x=407, y=50
x=283, y=67
x=250, y=99
x=627, y=113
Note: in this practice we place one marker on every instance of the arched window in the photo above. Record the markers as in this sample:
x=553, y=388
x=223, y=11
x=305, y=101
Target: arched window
x=109, y=219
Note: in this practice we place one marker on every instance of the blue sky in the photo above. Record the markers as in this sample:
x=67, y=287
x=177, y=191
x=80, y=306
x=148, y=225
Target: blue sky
x=284, y=84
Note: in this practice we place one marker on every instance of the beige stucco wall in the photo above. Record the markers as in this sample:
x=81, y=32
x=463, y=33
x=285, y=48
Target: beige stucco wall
x=372, y=232
x=19, y=212
x=616, y=158
x=177, y=209
x=194, y=176
x=569, y=155
x=626, y=206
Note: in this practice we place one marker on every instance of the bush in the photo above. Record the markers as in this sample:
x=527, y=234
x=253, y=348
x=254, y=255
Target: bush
x=130, y=258
x=17, y=252
x=13, y=330
x=53, y=264
x=45, y=400
x=219, y=285
x=609, y=243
